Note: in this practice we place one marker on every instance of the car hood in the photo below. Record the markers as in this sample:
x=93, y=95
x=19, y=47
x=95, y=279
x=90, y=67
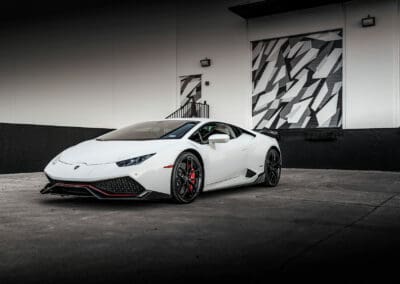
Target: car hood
x=94, y=152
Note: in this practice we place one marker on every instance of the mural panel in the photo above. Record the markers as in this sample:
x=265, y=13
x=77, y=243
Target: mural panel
x=190, y=88
x=297, y=81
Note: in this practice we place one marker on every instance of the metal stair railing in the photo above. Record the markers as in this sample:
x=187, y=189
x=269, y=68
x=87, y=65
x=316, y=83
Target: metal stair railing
x=192, y=109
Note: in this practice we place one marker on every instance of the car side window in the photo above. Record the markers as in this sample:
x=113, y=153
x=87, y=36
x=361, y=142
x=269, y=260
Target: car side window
x=196, y=137
x=223, y=128
x=201, y=136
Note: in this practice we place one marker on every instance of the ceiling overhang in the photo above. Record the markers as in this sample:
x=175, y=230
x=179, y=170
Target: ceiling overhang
x=270, y=7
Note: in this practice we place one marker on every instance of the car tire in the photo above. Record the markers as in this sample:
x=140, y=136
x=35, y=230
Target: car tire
x=272, y=168
x=187, y=178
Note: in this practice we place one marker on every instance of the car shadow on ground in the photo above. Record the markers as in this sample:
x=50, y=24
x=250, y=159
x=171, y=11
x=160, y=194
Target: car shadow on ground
x=91, y=202
x=94, y=203
x=127, y=202
x=219, y=193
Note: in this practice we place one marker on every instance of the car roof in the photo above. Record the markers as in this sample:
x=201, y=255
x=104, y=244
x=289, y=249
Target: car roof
x=190, y=119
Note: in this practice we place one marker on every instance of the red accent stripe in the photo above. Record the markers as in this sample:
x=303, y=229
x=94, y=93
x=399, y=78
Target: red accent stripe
x=89, y=186
x=168, y=167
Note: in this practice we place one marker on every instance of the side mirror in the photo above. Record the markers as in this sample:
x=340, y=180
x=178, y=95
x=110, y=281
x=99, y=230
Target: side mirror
x=218, y=138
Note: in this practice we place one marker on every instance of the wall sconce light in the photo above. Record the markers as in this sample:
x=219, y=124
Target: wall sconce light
x=206, y=62
x=368, y=22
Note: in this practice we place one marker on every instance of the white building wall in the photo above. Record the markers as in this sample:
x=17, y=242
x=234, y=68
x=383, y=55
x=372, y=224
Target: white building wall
x=372, y=65
x=111, y=70
x=105, y=70
x=371, y=55
x=209, y=29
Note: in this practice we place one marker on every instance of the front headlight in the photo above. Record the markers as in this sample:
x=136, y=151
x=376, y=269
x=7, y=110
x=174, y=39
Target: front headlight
x=134, y=161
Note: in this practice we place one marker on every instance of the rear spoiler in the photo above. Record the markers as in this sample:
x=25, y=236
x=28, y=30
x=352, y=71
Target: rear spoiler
x=269, y=132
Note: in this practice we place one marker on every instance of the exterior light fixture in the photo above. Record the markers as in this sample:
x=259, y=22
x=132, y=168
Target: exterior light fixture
x=206, y=62
x=368, y=22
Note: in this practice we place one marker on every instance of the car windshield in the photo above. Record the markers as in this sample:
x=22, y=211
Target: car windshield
x=165, y=129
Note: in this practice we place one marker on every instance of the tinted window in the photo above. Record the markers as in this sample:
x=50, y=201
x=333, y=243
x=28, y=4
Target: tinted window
x=206, y=131
x=165, y=129
x=225, y=129
x=202, y=135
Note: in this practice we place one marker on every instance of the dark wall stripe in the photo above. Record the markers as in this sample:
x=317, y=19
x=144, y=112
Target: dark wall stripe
x=359, y=149
x=28, y=148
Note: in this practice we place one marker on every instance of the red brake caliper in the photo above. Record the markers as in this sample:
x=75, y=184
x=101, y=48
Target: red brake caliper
x=192, y=178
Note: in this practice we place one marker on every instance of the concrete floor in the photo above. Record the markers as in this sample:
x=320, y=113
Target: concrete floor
x=314, y=222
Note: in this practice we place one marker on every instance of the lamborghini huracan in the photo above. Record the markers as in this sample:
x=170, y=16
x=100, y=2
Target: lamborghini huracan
x=172, y=158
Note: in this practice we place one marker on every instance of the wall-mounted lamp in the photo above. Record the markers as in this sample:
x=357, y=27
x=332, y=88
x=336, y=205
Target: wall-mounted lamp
x=206, y=62
x=368, y=22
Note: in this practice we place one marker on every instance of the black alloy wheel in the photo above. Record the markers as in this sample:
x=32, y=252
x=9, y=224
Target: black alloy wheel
x=272, y=168
x=187, y=178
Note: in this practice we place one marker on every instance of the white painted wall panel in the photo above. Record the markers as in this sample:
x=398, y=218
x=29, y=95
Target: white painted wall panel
x=109, y=70
x=371, y=65
x=104, y=70
x=209, y=29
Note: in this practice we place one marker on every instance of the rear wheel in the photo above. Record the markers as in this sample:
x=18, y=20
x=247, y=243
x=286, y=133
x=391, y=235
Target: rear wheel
x=272, y=168
x=187, y=178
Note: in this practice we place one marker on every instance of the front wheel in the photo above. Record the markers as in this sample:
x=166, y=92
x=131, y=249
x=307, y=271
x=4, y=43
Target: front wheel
x=187, y=178
x=272, y=168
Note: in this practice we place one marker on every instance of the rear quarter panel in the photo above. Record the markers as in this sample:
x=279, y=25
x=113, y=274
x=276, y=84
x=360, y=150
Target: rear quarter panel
x=258, y=152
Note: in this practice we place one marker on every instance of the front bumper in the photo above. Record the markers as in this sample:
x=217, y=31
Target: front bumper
x=118, y=188
x=150, y=174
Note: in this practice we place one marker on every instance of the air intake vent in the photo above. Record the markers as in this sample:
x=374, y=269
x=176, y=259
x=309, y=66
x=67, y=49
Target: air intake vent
x=250, y=173
x=120, y=185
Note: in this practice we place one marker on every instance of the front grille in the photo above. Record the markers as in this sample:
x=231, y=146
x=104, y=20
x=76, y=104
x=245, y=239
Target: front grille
x=120, y=185
x=114, y=186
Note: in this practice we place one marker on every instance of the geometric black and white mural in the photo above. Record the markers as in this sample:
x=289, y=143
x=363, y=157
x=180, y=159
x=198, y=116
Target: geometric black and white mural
x=190, y=88
x=297, y=81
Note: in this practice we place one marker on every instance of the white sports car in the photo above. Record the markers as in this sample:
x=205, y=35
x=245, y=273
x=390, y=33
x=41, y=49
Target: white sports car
x=172, y=158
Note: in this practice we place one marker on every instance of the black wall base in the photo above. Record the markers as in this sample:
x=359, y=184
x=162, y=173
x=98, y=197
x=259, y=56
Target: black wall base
x=353, y=149
x=28, y=148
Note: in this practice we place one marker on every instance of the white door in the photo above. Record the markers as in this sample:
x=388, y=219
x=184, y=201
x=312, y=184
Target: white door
x=222, y=161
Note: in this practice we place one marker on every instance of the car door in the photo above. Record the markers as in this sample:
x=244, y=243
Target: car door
x=222, y=161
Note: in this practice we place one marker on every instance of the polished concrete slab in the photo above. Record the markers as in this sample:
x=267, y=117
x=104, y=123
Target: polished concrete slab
x=345, y=224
